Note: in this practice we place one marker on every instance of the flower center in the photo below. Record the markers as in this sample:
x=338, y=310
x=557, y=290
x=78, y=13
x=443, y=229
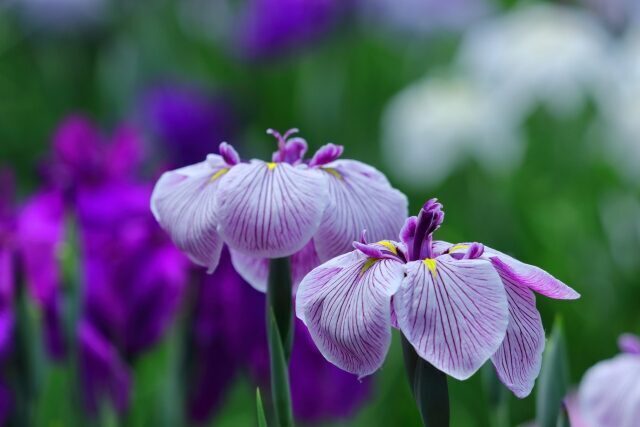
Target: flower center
x=289, y=150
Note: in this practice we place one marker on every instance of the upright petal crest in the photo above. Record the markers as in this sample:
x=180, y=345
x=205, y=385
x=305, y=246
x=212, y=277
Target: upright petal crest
x=270, y=209
x=454, y=312
x=183, y=202
x=360, y=198
x=346, y=304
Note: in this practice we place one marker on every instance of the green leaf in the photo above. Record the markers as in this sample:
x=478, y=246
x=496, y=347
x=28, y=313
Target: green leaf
x=279, y=374
x=497, y=396
x=279, y=299
x=262, y=419
x=429, y=387
x=553, y=382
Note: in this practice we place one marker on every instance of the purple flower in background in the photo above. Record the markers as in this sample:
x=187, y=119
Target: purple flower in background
x=609, y=394
x=132, y=275
x=307, y=209
x=227, y=312
x=187, y=122
x=458, y=305
x=7, y=282
x=269, y=27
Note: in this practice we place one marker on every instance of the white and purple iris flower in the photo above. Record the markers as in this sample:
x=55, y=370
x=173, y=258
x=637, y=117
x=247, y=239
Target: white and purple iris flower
x=458, y=305
x=309, y=210
x=609, y=394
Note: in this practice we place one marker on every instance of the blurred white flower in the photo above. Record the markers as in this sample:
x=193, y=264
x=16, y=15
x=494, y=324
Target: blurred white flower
x=617, y=14
x=542, y=53
x=434, y=124
x=423, y=16
x=620, y=107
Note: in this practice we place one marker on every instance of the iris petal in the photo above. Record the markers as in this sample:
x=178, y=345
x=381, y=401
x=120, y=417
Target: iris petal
x=360, y=198
x=453, y=312
x=609, y=394
x=518, y=359
x=530, y=276
x=346, y=304
x=183, y=202
x=270, y=209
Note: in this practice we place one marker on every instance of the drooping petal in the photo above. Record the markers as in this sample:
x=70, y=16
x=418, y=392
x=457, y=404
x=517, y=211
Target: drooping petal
x=519, y=358
x=270, y=209
x=453, y=312
x=360, y=198
x=346, y=304
x=183, y=202
x=609, y=393
x=254, y=270
x=530, y=276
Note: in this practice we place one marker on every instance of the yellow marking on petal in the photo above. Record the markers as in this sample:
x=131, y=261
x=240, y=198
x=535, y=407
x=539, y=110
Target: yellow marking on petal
x=368, y=264
x=271, y=165
x=459, y=247
x=431, y=265
x=219, y=174
x=387, y=244
x=333, y=172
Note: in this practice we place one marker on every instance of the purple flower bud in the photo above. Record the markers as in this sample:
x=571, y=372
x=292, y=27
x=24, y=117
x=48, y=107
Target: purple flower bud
x=326, y=154
x=629, y=343
x=289, y=150
x=229, y=154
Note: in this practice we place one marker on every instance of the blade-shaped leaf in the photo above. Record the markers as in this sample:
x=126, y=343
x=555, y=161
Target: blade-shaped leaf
x=279, y=374
x=553, y=382
x=262, y=419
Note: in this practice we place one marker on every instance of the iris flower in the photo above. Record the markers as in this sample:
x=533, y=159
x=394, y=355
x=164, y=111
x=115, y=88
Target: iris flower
x=609, y=394
x=458, y=305
x=310, y=210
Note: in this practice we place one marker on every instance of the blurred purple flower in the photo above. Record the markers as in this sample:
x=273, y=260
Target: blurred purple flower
x=188, y=123
x=609, y=394
x=83, y=157
x=227, y=312
x=7, y=264
x=133, y=276
x=268, y=28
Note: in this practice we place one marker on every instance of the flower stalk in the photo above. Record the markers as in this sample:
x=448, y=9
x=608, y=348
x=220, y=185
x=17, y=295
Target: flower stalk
x=280, y=336
x=428, y=386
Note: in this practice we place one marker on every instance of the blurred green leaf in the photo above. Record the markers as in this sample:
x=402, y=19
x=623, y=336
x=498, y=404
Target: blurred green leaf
x=280, y=391
x=553, y=382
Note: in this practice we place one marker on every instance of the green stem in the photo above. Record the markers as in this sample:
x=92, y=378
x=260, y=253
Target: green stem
x=279, y=332
x=429, y=388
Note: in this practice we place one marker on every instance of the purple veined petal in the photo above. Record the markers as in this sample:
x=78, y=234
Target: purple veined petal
x=439, y=247
x=270, y=210
x=519, y=358
x=360, y=198
x=254, y=270
x=609, y=394
x=183, y=202
x=528, y=275
x=302, y=262
x=346, y=305
x=629, y=343
x=454, y=313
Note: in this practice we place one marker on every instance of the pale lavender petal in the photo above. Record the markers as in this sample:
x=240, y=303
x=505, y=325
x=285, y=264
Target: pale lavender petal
x=360, y=198
x=302, y=262
x=531, y=276
x=629, y=343
x=454, y=313
x=609, y=394
x=270, y=210
x=346, y=304
x=572, y=407
x=253, y=270
x=519, y=358
x=183, y=202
